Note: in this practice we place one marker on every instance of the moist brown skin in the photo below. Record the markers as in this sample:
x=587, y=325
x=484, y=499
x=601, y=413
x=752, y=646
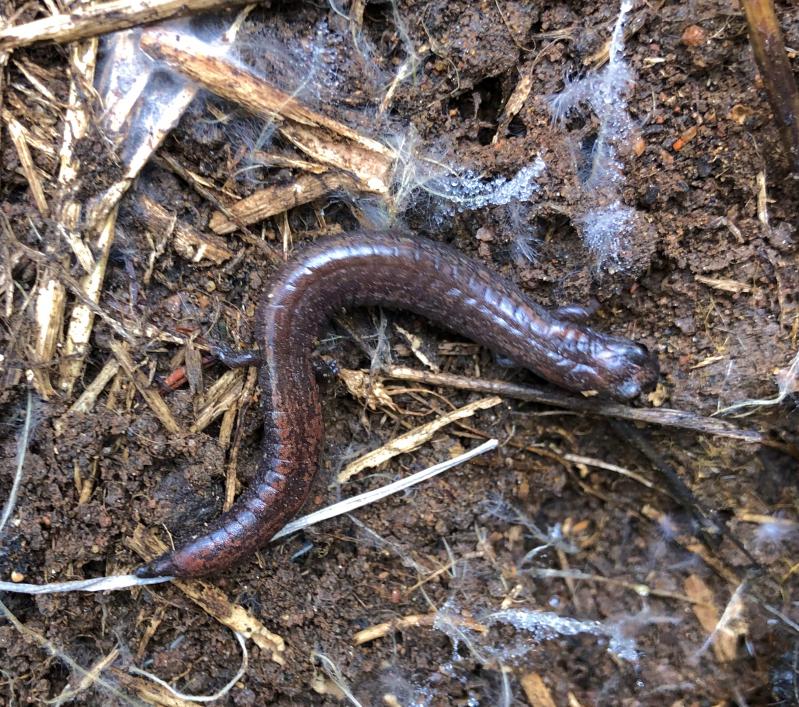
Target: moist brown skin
x=393, y=270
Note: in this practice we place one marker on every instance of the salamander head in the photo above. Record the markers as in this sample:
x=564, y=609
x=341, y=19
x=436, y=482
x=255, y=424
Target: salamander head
x=626, y=369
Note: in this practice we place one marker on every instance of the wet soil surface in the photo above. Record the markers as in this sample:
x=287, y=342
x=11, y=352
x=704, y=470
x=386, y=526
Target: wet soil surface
x=533, y=571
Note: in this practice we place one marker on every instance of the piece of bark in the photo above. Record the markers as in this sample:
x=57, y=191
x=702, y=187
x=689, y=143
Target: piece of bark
x=187, y=241
x=277, y=198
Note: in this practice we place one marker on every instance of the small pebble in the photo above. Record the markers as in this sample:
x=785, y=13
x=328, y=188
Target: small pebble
x=17, y=576
x=650, y=196
x=740, y=113
x=703, y=168
x=693, y=36
x=686, y=325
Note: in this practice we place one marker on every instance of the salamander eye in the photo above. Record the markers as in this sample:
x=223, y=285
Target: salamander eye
x=639, y=355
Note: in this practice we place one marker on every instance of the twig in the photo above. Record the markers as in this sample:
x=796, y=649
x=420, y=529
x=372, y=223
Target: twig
x=599, y=464
x=427, y=620
x=22, y=450
x=642, y=590
x=94, y=19
x=29, y=169
x=232, y=466
x=325, y=139
x=536, y=691
x=774, y=67
x=79, y=249
x=726, y=633
x=153, y=399
x=188, y=242
x=660, y=416
x=78, y=118
x=332, y=670
x=444, y=568
x=220, y=396
x=43, y=643
x=277, y=198
x=33, y=134
x=204, y=189
x=88, y=679
x=137, y=127
x=365, y=499
x=81, y=322
x=76, y=288
x=148, y=692
x=787, y=383
x=50, y=298
x=709, y=521
x=724, y=644
x=691, y=544
x=413, y=438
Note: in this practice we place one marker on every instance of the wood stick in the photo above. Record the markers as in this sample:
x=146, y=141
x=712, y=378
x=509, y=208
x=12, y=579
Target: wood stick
x=96, y=18
x=33, y=134
x=51, y=293
x=126, y=329
x=187, y=241
x=83, y=60
x=151, y=396
x=85, y=403
x=221, y=396
x=413, y=439
x=372, y=633
x=326, y=140
x=603, y=408
x=17, y=133
x=81, y=321
x=772, y=62
x=278, y=198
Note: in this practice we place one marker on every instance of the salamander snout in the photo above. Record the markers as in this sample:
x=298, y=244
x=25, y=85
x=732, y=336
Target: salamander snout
x=636, y=370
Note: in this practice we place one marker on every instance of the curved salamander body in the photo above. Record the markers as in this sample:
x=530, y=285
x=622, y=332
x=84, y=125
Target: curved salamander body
x=396, y=271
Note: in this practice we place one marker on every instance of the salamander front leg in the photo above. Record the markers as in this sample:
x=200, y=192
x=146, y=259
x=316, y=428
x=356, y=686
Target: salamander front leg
x=235, y=358
x=577, y=313
x=325, y=368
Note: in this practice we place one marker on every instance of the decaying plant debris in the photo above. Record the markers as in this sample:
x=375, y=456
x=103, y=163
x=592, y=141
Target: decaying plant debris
x=626, y=152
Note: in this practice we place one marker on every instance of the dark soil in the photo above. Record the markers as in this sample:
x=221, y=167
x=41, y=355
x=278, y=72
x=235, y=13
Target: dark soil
x=457, y=544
